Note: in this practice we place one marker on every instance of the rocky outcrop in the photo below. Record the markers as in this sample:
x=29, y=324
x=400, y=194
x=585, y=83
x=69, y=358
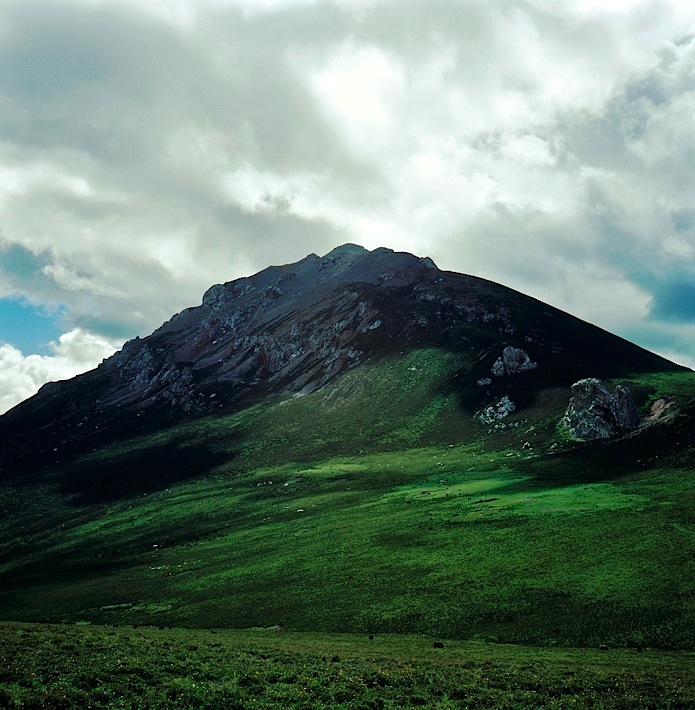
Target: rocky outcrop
x=297, y=327
x=497, y=411
x=624, y=410
x=512, y=362
x=661, y=408
x=594, y=413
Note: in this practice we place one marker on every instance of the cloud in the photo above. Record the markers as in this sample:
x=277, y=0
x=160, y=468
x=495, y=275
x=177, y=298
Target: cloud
x=148, y=149
x=22, y=376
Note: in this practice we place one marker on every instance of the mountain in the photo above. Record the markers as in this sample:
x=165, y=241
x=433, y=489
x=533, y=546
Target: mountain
x=360, y=442
x=295, y=329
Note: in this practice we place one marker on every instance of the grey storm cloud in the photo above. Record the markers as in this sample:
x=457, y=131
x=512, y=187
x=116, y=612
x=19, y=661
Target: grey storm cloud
x=149, y=150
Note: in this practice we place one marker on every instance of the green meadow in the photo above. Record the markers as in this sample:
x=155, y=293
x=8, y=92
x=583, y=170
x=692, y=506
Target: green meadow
x=449, y=541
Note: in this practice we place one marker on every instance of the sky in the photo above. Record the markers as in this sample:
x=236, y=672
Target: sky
x=149, y=150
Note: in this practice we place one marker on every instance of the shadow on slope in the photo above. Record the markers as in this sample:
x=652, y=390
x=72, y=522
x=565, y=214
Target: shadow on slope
x=102, y=479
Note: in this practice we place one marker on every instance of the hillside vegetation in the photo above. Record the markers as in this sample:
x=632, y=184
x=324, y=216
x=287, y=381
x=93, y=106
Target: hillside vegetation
x=378, y=504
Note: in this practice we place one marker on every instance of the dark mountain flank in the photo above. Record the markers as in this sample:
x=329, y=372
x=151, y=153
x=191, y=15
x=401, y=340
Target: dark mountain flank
x=294, y=329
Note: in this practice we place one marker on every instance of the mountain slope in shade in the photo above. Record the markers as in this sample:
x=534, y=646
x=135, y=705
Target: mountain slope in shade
x=294, y=329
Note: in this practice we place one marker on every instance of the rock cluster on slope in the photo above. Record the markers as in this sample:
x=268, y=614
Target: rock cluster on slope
x=497, y=411
x=594, y=413
x=512, y=362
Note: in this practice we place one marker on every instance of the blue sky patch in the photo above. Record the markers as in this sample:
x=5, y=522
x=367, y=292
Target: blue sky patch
x=674, y=302
x=29, y=328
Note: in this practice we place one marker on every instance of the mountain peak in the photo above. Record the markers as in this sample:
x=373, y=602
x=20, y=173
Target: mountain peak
x=348, y=249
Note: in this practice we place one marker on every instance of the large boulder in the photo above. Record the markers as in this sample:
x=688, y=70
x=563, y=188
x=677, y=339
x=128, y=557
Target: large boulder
x=512, y=362
x=594, y=413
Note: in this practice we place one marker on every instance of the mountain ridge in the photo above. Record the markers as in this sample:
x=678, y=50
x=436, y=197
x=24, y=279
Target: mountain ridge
x=295, y=328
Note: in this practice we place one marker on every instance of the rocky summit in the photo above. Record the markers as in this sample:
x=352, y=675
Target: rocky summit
x=296, y=328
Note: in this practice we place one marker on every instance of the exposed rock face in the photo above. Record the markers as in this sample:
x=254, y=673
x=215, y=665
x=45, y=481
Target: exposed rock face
x=594, y=413
x=290, y=328
x=496, y=412
x=512, y=362
x=623, y=410
x=660, y=408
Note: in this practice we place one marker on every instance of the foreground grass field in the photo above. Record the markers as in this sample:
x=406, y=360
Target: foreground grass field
x=44, y=666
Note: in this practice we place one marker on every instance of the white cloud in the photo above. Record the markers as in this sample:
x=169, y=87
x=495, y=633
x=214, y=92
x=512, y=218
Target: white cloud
x=151, y=149
x=22, y=376
x=359, y=89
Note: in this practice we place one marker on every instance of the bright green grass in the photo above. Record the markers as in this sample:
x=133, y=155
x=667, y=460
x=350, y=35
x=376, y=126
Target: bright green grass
x=63, y=666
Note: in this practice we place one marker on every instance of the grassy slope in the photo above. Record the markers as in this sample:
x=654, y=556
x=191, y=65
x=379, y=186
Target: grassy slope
x=356, y=509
